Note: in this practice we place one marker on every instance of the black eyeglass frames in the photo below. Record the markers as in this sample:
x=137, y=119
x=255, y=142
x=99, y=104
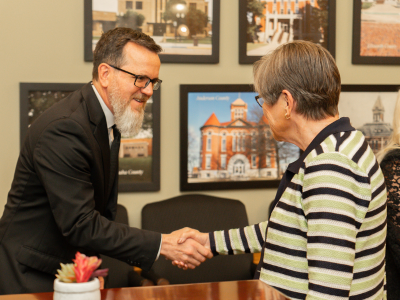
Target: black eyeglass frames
x=260, y=100
x=141, y=81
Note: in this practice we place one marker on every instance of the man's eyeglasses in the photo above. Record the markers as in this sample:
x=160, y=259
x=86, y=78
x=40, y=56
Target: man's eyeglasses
x=260, y=100
x=141, y=81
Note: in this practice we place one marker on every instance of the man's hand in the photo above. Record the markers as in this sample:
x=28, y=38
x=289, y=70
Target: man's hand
x=189, y=254
x=188, y=234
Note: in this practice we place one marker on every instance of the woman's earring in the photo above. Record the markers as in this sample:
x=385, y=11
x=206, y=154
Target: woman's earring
x=287, y=116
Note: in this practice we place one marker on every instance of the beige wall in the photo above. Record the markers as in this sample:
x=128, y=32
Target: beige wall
x=42, y=41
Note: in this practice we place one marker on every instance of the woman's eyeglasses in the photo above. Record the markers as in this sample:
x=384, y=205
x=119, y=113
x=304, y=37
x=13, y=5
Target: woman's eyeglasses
x=260, y=100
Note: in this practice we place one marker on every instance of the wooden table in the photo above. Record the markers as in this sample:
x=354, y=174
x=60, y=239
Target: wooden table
x=232, y=290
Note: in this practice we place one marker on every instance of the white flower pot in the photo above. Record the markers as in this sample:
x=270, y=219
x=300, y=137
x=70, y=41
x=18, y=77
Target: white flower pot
x=77, y=291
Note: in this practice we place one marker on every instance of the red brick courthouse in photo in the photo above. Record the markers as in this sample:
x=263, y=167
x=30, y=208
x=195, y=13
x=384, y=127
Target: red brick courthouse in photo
x=237, y=149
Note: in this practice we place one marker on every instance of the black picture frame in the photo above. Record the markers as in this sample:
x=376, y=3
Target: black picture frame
x=277, y=38
x=203, y=110
x=370, y=41
x=370, y=87
x=28, y=114
x=212, y=58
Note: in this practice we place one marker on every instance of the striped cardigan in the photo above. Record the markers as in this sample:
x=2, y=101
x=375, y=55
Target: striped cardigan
x=326, y=236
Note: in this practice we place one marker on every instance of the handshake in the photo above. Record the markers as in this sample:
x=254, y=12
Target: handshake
x=186, y=247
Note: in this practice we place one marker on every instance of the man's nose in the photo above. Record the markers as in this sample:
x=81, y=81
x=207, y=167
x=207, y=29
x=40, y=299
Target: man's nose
x=148, y=90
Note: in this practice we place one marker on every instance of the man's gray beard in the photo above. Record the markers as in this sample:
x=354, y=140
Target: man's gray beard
x=127, y=120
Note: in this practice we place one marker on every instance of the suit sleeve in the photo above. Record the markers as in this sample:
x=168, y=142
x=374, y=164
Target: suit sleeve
x=62, y=159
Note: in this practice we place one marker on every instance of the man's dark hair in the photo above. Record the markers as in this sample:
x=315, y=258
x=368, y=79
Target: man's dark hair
x=109, y=48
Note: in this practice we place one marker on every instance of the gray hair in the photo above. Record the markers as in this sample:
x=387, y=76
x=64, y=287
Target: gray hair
x=308, y=71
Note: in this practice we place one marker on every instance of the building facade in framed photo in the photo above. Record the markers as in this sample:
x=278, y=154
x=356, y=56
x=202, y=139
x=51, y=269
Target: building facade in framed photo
x=226, y=142
x=370, y=109
x=236, y=149
x=139, y=156
x=187, y=30
x=376, y=32
x=266, y=24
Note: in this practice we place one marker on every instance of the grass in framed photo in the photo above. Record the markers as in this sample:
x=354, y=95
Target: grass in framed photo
x=226, y=142
x=266, y=24
x=376, y=32
x=139, y=156
x=187, y=30
x=370, y=109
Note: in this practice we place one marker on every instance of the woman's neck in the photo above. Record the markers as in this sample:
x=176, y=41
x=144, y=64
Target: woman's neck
x=304, y=131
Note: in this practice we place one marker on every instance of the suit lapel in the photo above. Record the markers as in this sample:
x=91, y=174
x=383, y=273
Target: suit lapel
x=100, y=132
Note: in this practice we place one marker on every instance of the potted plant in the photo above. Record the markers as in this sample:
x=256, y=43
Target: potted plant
x=78, y=280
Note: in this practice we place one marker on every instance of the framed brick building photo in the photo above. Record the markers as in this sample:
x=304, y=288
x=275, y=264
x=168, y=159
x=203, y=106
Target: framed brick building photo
x=226, y=142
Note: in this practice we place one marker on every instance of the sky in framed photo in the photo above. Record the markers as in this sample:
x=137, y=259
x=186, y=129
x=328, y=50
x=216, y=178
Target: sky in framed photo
x=380, y=28
x=282, y=21
x=358, y=106
x=179, y=29
x=201, y=105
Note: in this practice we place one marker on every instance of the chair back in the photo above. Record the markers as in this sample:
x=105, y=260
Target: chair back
x=204, y=213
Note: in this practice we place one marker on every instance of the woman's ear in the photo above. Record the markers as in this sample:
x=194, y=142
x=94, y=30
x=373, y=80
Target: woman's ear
x=290, y=103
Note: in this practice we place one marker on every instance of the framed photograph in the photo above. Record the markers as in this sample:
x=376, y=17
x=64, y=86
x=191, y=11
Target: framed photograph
x=266, y=24
x=376, y=32
x=370, y=109
x=187, y=30
x=226, y=142
x=139, y=156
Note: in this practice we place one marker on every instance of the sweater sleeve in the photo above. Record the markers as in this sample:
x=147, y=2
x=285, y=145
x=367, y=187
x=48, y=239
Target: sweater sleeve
x=249, y=239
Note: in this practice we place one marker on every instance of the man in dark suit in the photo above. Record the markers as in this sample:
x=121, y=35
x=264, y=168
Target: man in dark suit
x=64, y=193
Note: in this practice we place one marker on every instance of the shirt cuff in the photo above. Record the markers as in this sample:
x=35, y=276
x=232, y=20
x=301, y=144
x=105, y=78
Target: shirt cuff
x=159, y=249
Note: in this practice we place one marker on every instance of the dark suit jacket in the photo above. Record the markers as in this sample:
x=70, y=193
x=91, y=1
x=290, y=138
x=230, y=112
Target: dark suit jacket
x=61, y=201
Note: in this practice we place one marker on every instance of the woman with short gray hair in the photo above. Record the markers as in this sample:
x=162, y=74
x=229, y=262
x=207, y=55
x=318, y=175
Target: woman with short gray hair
x=326, y=235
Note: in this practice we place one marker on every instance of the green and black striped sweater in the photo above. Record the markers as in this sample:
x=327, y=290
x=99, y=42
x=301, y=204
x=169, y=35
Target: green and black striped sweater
x=325, y=238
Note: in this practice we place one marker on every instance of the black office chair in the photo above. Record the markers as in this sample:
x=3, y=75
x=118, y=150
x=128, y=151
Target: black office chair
x=206, y=214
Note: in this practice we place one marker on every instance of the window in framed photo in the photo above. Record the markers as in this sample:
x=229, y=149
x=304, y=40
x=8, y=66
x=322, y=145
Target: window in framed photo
x=187, y=30
x=376, y=32
x=266, y=24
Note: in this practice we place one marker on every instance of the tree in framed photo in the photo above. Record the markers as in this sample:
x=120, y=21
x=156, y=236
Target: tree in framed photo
x=130, y=19
x=264, y=25
x=255, y=9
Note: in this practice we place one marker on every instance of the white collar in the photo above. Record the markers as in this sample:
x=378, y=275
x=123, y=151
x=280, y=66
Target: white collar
x=107, y=112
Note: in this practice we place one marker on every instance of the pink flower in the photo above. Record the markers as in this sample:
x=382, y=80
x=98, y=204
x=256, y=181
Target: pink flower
x=84, y=266
x=83, y=269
